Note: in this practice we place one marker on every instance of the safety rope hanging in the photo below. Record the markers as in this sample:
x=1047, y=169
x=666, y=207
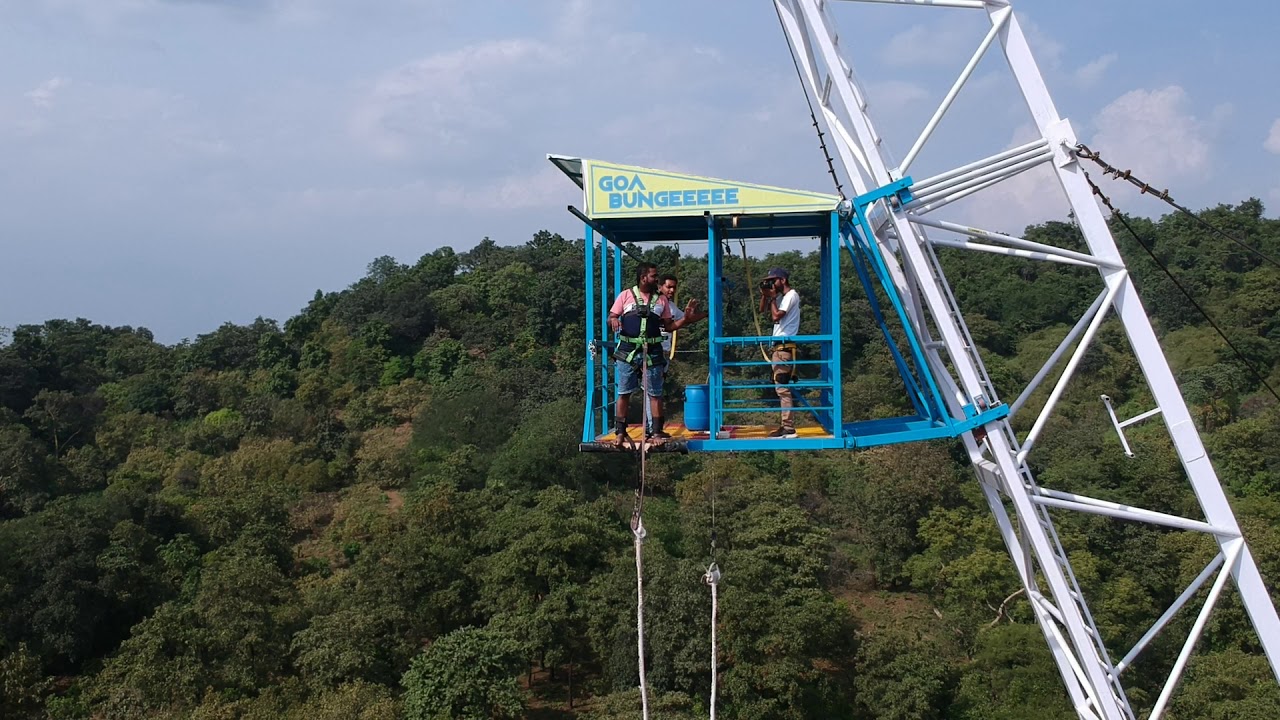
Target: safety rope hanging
x=638, y=533
x=755, y=313
x=712, y=578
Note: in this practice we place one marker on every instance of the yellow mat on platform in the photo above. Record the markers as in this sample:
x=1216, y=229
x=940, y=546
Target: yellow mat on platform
x=736, y=432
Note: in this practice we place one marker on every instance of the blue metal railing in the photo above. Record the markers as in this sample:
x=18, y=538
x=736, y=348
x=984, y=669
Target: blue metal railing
x=732, y=378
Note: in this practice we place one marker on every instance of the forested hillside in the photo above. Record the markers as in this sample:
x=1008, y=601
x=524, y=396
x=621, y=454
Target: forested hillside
x=376, y=509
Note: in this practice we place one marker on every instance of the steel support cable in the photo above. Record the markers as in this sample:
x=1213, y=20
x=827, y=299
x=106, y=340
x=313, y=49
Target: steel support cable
x=813, y=116
x=1187, y=294
x=1083, y=151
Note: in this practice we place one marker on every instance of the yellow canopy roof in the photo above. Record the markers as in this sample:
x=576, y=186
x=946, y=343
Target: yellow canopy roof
x=628, y=191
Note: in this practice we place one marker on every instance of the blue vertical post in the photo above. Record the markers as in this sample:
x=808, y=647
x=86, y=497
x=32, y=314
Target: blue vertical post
x=589, y=265
x=617, y=288
x=617, y=271
x=715, y=324
x=824, y=313
x=833, y=312
x=606, y=337
x=936, y=406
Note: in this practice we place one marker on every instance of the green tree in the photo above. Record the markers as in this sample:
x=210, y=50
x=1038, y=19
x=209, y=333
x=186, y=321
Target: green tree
x=1012, y=676
x=64, y=418
x=1230, y=685
x=543, y=557
x=349, y=645
x=469, y=674
x=23, y=685
x=533, y=457
x=625, y=705
x=161, y=664
x=903, y=675
x=351, y=701
x=25, y=471
x=885, y=494
x=244, y=606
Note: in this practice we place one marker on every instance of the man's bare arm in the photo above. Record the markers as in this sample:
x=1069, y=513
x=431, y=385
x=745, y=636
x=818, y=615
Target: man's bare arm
x=691, y=316
x=774, y=313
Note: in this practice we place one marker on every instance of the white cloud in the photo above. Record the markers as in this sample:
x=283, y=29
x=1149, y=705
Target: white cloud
x=43, y=96
x=1154, y=133
x=442, y=102
x=1026, y=199
x=893, y=95
x=108, y=16
x=542, y=187
x=107, y=132
x=476, y=122
x=1273, y=139
x=949, y=44
x=1088, y=75
x=578, y=18
x=97, y=14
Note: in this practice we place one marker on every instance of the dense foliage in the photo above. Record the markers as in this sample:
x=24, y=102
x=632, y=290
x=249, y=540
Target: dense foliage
x=376, y=511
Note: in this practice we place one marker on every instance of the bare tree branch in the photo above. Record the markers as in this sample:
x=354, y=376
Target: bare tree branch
x=1000, y=613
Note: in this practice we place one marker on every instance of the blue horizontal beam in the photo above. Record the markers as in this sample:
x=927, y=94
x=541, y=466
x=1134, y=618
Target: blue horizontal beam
x=774, y=408
x=756, y=339
x=857, y=435
x=769, y=363
x=802, y=385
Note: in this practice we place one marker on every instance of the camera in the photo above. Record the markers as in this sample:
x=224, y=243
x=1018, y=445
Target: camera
x=767, y=284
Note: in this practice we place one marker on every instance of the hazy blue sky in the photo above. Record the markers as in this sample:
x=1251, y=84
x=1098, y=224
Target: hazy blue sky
x=179, y=163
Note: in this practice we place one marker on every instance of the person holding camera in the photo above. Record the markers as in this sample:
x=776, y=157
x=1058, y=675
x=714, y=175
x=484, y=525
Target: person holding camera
x=783, y=305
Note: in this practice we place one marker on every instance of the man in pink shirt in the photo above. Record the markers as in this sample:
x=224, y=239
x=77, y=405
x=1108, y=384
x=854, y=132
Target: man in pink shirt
x=639, y=315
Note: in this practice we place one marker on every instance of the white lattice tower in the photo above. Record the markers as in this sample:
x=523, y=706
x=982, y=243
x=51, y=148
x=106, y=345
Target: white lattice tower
x=1093, y=677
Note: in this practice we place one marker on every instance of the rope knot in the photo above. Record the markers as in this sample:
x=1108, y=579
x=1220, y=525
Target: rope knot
x=712, y=575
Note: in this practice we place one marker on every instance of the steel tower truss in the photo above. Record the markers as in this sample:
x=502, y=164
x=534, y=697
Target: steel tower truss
x=902, y=225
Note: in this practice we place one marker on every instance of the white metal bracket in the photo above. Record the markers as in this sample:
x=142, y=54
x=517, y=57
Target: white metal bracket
x=1120, y=426
x=1062, y=139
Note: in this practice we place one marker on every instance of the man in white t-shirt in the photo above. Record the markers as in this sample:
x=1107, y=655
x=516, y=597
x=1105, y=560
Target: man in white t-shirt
x=667, y=285
x=783, y=305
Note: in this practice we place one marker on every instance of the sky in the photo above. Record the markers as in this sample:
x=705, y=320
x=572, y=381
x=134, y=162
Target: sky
x=178, y=164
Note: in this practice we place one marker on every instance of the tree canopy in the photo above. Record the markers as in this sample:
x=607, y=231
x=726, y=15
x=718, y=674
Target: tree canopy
x=375, y=509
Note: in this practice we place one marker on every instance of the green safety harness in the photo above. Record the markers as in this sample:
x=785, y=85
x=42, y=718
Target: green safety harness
x=642, y=340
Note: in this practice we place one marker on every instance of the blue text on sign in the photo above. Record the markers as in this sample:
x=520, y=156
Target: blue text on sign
x=630, y=193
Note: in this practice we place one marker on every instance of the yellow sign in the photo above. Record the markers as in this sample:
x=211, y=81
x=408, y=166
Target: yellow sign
x=614, y=191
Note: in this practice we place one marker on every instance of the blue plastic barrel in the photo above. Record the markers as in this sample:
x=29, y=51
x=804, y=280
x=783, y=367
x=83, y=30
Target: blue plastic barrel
x=697, y=407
